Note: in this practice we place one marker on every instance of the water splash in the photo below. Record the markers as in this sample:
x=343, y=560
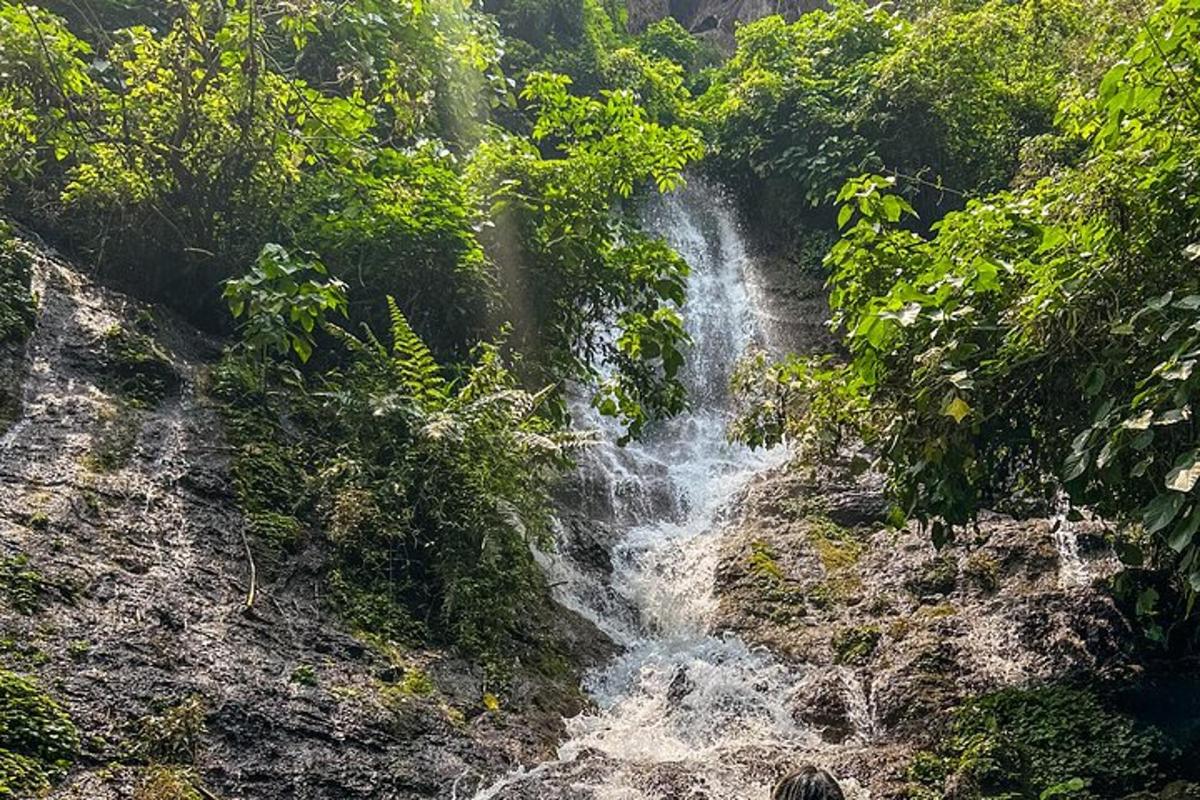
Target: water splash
x=683, y=711
x=1072, y=570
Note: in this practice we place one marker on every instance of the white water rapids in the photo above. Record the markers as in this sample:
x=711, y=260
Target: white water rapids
x=683, y=711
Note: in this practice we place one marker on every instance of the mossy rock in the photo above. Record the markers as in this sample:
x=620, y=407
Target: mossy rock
x=855, y=646
x=839, y=550
x=1020, y=742
x=21, y=777
x=982, y=571
x=21, y=586
x=136, y=366
x=37, y=738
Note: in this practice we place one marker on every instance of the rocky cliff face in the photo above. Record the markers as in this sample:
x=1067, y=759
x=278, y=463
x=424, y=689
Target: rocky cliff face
x=714, y=19
x=124, y=580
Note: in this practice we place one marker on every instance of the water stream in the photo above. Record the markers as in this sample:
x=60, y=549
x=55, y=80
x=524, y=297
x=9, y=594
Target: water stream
x=682, y=711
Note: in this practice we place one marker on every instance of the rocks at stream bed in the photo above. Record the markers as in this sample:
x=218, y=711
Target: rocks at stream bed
x=123, y=592
x=810, y=571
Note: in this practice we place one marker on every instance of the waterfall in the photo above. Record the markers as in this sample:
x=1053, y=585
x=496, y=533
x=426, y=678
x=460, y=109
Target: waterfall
x=681, y=702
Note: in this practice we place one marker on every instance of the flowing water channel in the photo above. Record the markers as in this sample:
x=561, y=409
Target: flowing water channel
x=683, y=711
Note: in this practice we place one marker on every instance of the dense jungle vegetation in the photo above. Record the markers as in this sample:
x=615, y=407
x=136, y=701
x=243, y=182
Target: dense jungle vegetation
x=417, y=223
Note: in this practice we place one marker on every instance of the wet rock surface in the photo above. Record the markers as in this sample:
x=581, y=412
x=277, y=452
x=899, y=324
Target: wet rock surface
x=120, y=502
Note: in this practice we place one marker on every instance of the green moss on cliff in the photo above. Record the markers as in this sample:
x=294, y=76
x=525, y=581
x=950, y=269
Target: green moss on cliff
x=37, y=738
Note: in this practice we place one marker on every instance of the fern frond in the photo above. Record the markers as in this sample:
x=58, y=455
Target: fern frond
x=420, y=373
x=351, y=342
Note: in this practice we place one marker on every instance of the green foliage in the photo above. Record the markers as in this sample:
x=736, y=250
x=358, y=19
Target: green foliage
x=1039, y=339
x=569, y=37
x=583, y=265
x=404, y=224
x=434, y=489
x=1044, y=742
x=666, y=38
x=37, y=739
x=942, y=94
x=283, y=301
x=16, y=302
x=213, y=135
x=429, y=490
x=175, y=151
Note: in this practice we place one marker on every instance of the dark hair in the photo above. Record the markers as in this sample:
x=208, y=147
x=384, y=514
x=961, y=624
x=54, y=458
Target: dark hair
x=808, y=783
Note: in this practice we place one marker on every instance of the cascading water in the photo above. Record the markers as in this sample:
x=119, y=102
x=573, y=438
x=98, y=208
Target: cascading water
x=683, y=711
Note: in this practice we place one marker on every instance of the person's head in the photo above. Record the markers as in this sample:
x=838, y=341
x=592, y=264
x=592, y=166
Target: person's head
x=808, y=783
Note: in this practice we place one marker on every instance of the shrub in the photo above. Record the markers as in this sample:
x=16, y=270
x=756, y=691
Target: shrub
x=429, y=491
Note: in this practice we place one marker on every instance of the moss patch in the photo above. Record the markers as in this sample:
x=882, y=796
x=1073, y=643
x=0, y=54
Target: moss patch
x=855, y=646
x=936, y=576
x=782, y=599
x=839, y=551
x=38, y=741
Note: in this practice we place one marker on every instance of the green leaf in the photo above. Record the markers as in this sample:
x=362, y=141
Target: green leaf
x=1060, y=789
x=957, y=409
x=1160, y=512
x=844, y=216
x=1185, y=472
x=1139, y=422
x=302, y=347
x=1076, y=464
x=1182, y=535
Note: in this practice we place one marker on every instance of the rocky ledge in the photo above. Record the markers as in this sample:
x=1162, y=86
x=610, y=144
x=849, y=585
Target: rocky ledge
x=963, y=673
